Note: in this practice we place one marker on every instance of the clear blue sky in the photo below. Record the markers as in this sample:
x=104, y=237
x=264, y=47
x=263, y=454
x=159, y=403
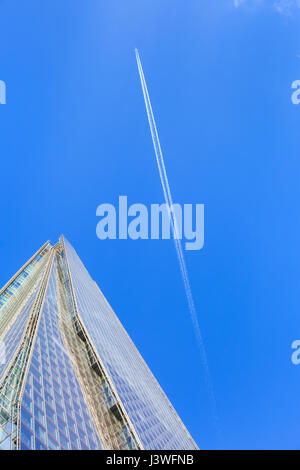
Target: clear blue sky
x=74, y=135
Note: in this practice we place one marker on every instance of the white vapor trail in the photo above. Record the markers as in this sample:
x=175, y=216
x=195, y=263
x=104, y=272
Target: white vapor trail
x=178, y=246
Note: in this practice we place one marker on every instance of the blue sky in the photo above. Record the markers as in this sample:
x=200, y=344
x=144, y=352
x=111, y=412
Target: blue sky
x=74, y=134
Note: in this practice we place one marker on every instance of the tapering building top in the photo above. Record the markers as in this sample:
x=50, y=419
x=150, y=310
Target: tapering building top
x=70, y=376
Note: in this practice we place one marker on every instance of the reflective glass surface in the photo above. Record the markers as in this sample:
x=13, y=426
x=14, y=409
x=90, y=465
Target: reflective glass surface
x=54, y=414
x=155, y=420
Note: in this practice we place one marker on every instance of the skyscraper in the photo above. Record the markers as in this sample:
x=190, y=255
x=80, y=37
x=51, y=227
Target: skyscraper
x=70, y=376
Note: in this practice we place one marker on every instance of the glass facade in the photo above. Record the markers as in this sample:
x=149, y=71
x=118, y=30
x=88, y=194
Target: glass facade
x=16, y=302
x=155, y=420
x=54, y=414
x=72, y=378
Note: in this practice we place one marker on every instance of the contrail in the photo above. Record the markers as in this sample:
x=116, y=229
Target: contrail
x=173, y=221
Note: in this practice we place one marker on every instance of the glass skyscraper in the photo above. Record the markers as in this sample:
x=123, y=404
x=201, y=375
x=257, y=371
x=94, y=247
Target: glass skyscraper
x=70, y=376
